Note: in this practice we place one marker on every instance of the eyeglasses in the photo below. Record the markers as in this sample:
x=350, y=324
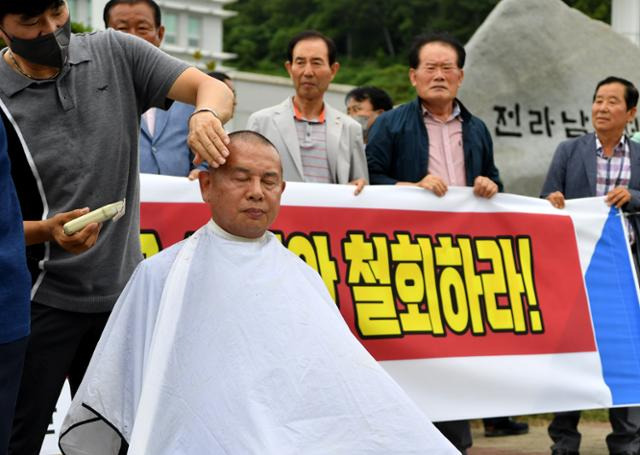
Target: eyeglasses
x=446, y=68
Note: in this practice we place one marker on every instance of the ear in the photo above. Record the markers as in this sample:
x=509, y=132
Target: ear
x=287, y=66
x=161, y=33
x=204, y=179
x=631, y=114
x=461, y=77
x=334, y=69
x=412, y=76
x=284, y=184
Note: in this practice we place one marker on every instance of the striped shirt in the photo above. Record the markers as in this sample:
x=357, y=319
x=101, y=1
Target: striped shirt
x=614, y=171
x=312, y=138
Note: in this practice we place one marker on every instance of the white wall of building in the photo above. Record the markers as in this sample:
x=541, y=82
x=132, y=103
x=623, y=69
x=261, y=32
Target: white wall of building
x=253, y=91
x=192, y=26
x=257, y=91
x=625, y=18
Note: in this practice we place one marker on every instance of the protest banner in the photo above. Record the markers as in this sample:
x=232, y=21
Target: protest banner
x=504, y=306
x=476, y=307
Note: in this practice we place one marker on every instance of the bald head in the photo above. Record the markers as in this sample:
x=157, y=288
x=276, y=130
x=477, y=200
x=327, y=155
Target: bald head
x=248, y=138
x=244, y=193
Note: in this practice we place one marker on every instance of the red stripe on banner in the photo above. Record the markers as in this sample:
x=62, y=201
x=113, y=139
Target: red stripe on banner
x=415, y=284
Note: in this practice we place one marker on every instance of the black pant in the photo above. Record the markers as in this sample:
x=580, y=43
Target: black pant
x=625, y=437
x=11, y=361
x=60, y=346
x=493, y=421
x=458, y=432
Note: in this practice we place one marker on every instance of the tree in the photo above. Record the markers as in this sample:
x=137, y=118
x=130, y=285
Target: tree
x=361, y=29
x=372, y=36
x=595, y=9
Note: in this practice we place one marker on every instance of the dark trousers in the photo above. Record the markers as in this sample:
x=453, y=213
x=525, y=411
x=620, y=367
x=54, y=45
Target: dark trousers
x=625, y=437
x=495, y=421
x=11, y=361
x=60, y=346
x=458, y=432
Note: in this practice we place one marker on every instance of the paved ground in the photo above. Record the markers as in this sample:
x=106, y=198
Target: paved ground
x=537, y=442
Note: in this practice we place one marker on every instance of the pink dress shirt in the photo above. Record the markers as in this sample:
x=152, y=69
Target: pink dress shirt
x=446, y=155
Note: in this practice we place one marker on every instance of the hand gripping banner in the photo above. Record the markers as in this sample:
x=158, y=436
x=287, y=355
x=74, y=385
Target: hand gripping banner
x=476, y=307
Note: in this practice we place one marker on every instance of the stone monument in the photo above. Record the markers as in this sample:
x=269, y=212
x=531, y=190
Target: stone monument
x=531, y=70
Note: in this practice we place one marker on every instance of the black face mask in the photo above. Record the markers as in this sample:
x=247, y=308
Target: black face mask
x=48, y=50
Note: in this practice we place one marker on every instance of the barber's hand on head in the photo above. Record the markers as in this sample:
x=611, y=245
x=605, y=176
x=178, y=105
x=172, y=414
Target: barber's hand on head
x=78, y=242
x=484, y=187
x=207, y=139
x=618, y=196
x=433, y=183
x=193, y=175
x=557, y=199
x=359, y=183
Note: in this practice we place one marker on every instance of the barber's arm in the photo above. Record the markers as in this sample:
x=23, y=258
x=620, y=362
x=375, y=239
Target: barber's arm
x=51, y=230
x=213, y=101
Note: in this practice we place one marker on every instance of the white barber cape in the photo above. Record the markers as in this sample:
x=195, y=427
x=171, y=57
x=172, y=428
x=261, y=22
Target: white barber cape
x=223, y=345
